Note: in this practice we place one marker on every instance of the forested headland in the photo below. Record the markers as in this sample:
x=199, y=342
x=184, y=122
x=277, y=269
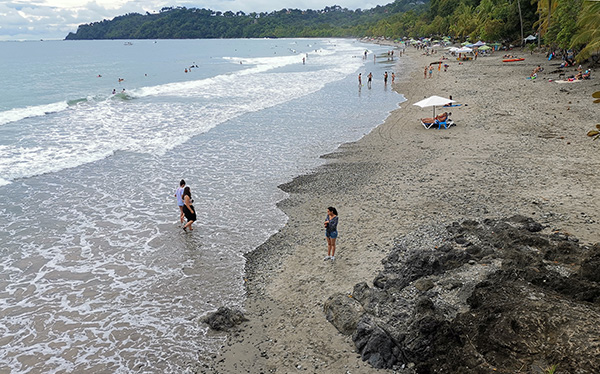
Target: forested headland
x=559, y=23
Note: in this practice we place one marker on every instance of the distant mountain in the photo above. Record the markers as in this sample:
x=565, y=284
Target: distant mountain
x=191, y=23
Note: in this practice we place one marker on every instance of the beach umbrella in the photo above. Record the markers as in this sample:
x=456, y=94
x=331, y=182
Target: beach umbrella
x=465, y=43
x=484, y=48
x=433, y=101
x=464, y=50
x=479, y=44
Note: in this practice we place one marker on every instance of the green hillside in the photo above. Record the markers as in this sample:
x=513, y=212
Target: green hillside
x=560, y=23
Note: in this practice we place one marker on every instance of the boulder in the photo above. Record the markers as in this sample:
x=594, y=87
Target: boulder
x=224, y=318
x=375, y=345
x=343, y=311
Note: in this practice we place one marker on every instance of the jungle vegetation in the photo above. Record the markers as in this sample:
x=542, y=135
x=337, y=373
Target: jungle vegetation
x=559, y=23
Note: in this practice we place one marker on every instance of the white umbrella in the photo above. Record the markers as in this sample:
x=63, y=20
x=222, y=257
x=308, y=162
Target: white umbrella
x=464, y=50
x=434, y=101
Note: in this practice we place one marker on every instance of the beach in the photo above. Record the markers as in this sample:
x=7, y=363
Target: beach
x=105, y=263
x=519, y=147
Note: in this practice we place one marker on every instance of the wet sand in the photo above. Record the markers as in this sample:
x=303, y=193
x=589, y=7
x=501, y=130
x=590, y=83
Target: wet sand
x=519, y=147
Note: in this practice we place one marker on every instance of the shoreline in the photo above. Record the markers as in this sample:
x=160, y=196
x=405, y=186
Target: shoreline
x=519, y=147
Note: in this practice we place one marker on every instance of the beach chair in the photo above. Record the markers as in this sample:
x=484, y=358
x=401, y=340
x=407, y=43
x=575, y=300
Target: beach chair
x=439, y=121
x=428, y=122
x=447, y=123
x=443, y=120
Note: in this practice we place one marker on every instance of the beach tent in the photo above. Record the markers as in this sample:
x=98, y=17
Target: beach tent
x=495, y=45
x=433, y=101
x=463, y=50
x=478, y=44
x=530, y=38
x=465, y=43
x=484, y=48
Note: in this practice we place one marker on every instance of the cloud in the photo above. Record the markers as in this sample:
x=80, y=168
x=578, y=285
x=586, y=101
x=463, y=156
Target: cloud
x=41, y=20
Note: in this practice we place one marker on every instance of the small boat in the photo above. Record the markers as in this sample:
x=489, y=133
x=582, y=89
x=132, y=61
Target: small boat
x=513, y=59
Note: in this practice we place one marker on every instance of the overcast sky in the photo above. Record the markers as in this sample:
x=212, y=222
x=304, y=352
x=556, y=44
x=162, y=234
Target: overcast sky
x=54, y=19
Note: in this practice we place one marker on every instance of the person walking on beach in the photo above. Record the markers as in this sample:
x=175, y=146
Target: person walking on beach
x=369, y=78
x=385, y=76
x=188, y=209
x=359, y=80
x=425, y=73
x=179, y=196
x=393, y=77
x=331, y=222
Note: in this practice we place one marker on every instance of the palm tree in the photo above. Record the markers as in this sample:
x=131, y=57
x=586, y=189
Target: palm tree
x=589, y=29
x=521, y=21
x=545, y=8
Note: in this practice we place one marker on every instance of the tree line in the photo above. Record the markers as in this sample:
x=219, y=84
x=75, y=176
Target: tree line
x=558, y=23
x=190, y=23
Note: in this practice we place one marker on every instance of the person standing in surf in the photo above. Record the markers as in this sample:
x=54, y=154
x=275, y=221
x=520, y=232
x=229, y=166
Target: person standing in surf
x=188, y=209
x=331, y=222
x=179, y=196
x=369, y=79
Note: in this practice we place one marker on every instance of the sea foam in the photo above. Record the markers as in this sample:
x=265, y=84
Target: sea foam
x=17, y=114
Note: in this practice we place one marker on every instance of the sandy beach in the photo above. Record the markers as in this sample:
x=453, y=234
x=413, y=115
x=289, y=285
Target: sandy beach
x=519, y=147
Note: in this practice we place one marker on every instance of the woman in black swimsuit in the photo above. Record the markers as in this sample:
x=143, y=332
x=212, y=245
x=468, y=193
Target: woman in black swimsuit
x=188, y=209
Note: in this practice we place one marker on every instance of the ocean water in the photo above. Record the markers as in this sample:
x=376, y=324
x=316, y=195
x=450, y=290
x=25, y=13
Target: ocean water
x=96, y=274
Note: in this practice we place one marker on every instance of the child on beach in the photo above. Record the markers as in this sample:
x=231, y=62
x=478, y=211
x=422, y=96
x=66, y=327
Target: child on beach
x=179, y=196
x=331, y=222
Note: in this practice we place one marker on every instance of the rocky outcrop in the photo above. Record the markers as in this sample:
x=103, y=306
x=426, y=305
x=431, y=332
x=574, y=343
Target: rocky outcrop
x=224, y=318
x=478, y=297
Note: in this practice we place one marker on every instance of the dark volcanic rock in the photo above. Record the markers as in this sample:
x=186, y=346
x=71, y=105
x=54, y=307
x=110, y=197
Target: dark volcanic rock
x=375, y=344
x=590, y=267
x=224, y=318
x=494, y=296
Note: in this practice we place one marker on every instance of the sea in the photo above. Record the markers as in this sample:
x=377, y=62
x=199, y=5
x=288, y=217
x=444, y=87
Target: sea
x=96, y=273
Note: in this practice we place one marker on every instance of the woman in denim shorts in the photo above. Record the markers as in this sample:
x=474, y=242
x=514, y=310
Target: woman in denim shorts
x=331, y=222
